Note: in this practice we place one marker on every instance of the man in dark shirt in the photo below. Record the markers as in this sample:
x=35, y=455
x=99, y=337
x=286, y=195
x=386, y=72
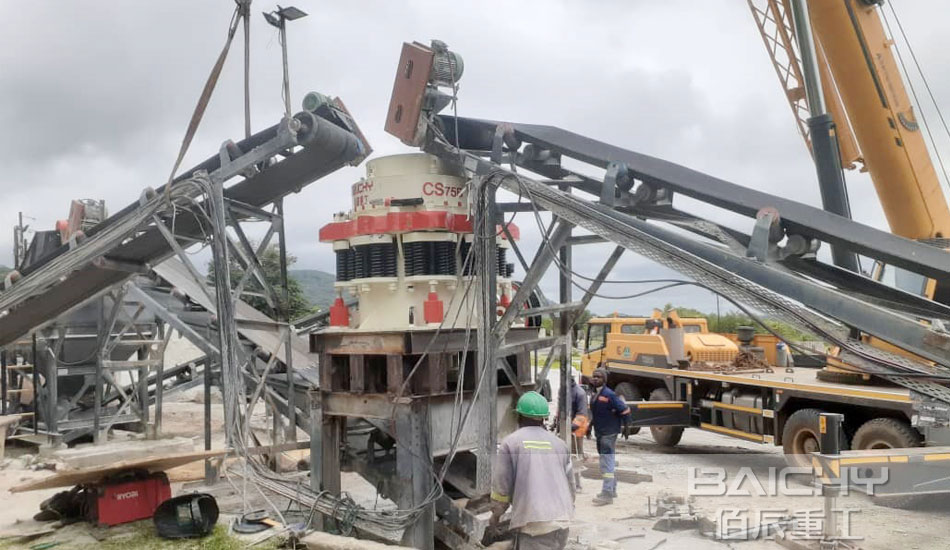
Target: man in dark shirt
x=608, y=413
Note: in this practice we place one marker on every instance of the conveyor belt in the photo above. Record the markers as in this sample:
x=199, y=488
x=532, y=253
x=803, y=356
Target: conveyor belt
x=797, y=218
x=764, y=286
x=325, y=148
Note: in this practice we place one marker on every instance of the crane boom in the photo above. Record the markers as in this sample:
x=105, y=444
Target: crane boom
x=865, y=72
x=774, y=21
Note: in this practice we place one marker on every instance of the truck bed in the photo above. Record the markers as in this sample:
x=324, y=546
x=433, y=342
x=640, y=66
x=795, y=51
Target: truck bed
x=802, y=380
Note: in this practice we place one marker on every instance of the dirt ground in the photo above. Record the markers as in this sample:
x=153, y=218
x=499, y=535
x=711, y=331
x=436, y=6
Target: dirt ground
x=875, y=527
x=620, y=525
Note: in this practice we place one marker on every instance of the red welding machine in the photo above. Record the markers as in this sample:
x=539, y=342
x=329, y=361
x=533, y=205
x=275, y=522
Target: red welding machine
x=130, y=497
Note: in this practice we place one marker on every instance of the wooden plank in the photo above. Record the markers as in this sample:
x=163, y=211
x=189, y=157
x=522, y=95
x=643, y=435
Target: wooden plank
x=394, y=373
x=326, y=371
x=523, y=369
x=365, y=343
x=437, y=376
x=195, y=471
x=357, y=373
x=91, y=475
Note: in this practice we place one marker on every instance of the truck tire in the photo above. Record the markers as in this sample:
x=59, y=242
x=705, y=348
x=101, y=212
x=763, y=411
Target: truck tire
x=629, y=392
x=665, y=436
x=885, y=433
x=801, y=436
x=890, y=433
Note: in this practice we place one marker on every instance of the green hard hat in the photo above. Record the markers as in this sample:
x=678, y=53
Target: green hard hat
x=533, y=405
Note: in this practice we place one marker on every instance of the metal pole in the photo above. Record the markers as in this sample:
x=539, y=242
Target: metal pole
x=97, y=400
x=285, y=315
x=18, y=241
x=105, y=333
x=824, y=143
x=143, y=390
x=486, y=264
x=564, y=327
x=283, y=49
x=159, y=380
x=36, y=388
x=246, y=13
x=413, y=456
x=227, y=341
x=831, y=430
x=806, y=48
x=210, y=473
x=316, y=448
x=3, y=383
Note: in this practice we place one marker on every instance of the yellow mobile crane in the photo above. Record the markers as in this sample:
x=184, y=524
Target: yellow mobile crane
x=857, y=77
x=841, y=78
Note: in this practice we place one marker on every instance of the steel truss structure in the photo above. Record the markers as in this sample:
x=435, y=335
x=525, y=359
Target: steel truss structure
x=753, y=268
x=772, y=268
x=82, y=312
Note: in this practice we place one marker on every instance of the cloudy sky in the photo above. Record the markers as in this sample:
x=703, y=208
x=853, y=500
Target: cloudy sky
x=95, y=96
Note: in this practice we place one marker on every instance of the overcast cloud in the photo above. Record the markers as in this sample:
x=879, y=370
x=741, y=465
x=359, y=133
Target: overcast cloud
x=95, y=96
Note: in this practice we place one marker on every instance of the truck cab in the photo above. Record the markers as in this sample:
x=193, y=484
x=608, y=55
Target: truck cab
x=657, y=341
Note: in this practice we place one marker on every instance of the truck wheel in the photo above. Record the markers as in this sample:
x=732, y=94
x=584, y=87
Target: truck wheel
x=885, y=433
x=629, y=392
x=801, y=436
x=890, y=433
x=666, y=436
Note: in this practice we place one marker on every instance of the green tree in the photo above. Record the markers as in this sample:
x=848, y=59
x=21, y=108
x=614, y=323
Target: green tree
x=729, y=322
x=297, y=303
x=580, y=327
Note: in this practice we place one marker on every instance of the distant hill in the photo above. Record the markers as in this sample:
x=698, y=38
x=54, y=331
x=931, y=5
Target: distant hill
x=317, y=286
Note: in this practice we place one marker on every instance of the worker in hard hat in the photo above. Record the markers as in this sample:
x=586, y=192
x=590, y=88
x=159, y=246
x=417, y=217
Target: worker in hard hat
x=533, y=475
x=608, y=413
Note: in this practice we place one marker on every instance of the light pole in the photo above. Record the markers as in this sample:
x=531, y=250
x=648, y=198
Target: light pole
x=279, y=18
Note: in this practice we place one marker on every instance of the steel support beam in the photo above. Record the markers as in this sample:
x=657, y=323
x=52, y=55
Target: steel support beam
x=414, y=466
x=539, y=266
x=565, y=324
x=486, y=266
x=172, y=320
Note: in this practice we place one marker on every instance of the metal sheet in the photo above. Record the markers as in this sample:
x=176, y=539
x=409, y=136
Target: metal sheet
x=405, y=105
x=444, y=422
x=267, y=339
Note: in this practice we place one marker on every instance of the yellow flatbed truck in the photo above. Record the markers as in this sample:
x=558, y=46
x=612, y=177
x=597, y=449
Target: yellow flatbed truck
x=680, y=377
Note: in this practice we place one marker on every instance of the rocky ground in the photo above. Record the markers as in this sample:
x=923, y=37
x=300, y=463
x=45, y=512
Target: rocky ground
x=874, y=526
x=624, y=524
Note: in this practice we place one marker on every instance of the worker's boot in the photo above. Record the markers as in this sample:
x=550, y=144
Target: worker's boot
x=603, y=499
